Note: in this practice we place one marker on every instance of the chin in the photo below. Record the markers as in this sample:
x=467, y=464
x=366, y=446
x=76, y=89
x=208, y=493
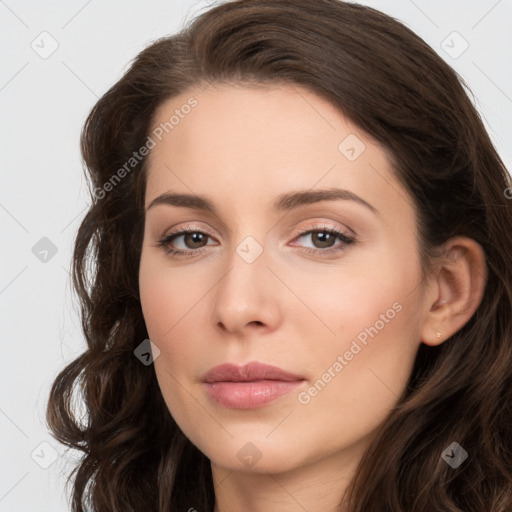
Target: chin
x=252, y=453
x=273, y=461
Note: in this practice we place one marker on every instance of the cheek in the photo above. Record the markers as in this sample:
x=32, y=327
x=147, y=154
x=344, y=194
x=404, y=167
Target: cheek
x=375, y=336
x=171, y=304
x=360, y=298
x=165, y=296
x=166, y=303
x=374, y=317
x=357, y=378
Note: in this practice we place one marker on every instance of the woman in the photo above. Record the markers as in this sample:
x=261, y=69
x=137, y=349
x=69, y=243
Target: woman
x=294, y=275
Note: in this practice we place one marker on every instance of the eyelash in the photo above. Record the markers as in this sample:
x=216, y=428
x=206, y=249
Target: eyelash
x=165, y=242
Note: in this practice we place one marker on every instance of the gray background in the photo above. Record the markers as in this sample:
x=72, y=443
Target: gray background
x=44, y=101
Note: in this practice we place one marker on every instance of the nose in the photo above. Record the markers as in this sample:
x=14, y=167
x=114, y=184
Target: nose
x=246, y=299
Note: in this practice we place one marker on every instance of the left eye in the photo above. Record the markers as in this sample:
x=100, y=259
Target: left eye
x=322, y=239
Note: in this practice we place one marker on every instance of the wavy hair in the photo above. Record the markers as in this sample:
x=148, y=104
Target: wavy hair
x=390, y=83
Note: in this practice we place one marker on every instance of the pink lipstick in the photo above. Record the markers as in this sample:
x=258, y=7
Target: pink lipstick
x=250, y=386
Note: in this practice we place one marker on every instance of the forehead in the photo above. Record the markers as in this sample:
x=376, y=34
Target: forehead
x=241, y=142
x=250, y=114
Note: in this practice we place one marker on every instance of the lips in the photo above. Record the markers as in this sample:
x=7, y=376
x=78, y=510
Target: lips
x=250, y=386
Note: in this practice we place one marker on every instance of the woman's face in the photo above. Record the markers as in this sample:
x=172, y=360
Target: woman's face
x=301, y=253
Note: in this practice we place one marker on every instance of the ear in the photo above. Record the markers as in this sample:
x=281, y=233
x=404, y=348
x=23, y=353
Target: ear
x=455, y=290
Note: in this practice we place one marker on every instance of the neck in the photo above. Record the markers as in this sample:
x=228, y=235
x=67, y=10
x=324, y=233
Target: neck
x=318, y=486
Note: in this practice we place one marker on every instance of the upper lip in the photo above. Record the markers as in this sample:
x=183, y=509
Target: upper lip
x=253, y=371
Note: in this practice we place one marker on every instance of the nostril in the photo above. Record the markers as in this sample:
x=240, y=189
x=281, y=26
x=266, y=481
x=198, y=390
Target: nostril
x=254, y=323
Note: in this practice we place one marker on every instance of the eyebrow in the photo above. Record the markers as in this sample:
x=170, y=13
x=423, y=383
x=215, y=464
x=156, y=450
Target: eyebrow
x=284, y=202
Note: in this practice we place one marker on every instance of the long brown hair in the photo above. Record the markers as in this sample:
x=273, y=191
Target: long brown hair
x=391, y=84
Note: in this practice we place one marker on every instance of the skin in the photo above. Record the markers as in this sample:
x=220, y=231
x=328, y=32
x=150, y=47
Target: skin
x=242, y=146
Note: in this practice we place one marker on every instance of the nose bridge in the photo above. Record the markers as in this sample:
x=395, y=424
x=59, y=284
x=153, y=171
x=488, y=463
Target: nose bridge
x=246, y=278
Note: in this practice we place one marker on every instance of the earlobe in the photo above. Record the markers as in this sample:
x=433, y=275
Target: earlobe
x=457, y=289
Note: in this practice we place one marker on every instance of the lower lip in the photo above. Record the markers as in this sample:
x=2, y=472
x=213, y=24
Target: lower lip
x=249, y=395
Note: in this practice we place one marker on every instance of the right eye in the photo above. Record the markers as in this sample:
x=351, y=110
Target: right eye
x=184, y=242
